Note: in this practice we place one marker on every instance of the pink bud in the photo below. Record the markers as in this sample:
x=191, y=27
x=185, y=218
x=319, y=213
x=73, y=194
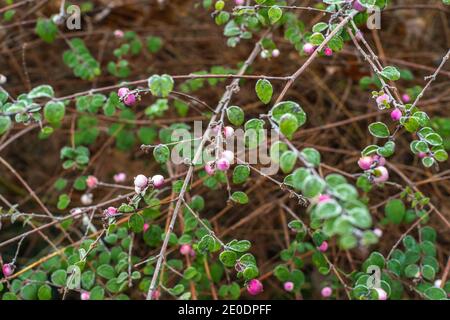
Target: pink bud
x=239, y=2
x=358, y=6
x=91, y=182
x=326, y=292
x=122, y=92
x=118, y=34
x=324, y=198
x=158, y=180
x=209, y=168
x=275, y=53
x=382, y=295
x=140, y=181
x=120, y=177
x=185, y=249
x=288, y=286
x=156, y=294
x=365, y=163
x=228, y=132
x=406, y=98
x=254, y=287
x=85, y=295
x=308, y=48
x=381, y=161
x=396, y=114
x=229, y=155
x=328, y=52
x=223, y=164
x=378, y=232
x=422, y=155
x=130, y=99
x=381, y=174
x=146, y=226
x=323, y=247
x=8, y=269
x=383, y=99
x=110, y=212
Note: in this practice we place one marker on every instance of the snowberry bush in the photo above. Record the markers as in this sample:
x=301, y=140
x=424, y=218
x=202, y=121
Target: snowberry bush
x=149, y=233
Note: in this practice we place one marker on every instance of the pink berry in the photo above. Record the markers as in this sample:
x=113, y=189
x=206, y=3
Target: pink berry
x=275, y=53
x=130, y=99
x=422, y=155
x=254, y=287
x=324, y=198
x=223, y=164
x=110, y=212
x=326, y=292
x=365, y=163
x=118, y=34
x=122, y=92
x=381, y=174
x=323, y=247
x=91, y=182
x=406, y=98
x=288, y=286
x=120, y=177
x=382, y=295
x=239, y=2
x=308, y=48
x=156, y=294
x=228, y=132
x=381, y=161
x=396, y=114
x=158, y=181
x=85, y=295
x=146, y=226
x=8, y=269
x=328, y=52
x=358, y=6
x=229, y=155
x=140, y=181
x=209, y=168
x=185, y=249
x=383, y=99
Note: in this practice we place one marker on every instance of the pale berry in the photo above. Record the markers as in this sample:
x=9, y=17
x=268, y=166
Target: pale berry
x=264, y=54
x=229, y=155
x=396, y=114
x=91, y=182
x=118, y=34
x=308, y=48
x=120, y=177
x=228, y=132
x=378, y=232
x=146, y=226
x=130, y=99
x=85, y=295
x=438, y=283
x=328, y=52
x=254, y=287
x=275, y=53
x=158, y=181
x=288, y=286
x=209, y=168
x=239, y=2
x=406, y=98
x=365, y=163
x=323, y=247
x=122, y=92
x=381, y=174
x=324, y=198
x=140, y=181
x=326, y=292
x=86, y=199
x=8, y=269
x=382, y=295
x=185, y=249
x=223, y=164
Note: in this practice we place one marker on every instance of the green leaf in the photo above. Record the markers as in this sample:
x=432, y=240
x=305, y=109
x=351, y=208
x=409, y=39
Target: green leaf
x=5, y=124
x=54, y=112
x=316, y=38
x=29, y=291
x=390, y=73
x=241, y=174
x=264, y=90
x=312, y=156
x=288, y=125
x=239, y=246
x=319, y=27
x=379, y=130
x=190, y=273
x=41, y=91
x=434, y=293
x=395, y=211
x=161, y=153
x=313, y=186
x=239, y=197
x=228, y=258
x=284, y=107
x=428, y=272
x=327, y=209
x=434, y=139
x=46, y=29
x=63, y=201
x=235, y=115
x=160, y=86
x=45, y=292
x=59, y=277
x=136, y=223
x=275, y=14
x=97, y=293
x=287, y=161
x=106, y=271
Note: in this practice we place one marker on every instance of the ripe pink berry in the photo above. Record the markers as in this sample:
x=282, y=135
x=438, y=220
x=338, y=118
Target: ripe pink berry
x=422, y=155
x=381, y=161
x=158, y=181
x=254, y=287
x=110, y=212
x=229, y=155
x=288, y=286
x=85, y=295
x=406, y=98
x=118, y=34
x=396, y=114
x=146, y=226
x=381, y=174
x=140, y=181
x=365, y=163
x=228, y=132
x=326, y=292
x=382, y=295
x=358, y=6
x=156, y=294
x=324, y=198
x=8, y=269
x=239, y=2
x=122, y=92
x=223, y=164
x=328, y=52
x=209, y=168
x=308, y=48
x=120, y=177
x=323, y=247
x=185, y=249
x=130, y=99
x=275, y=53
x=91, y=182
